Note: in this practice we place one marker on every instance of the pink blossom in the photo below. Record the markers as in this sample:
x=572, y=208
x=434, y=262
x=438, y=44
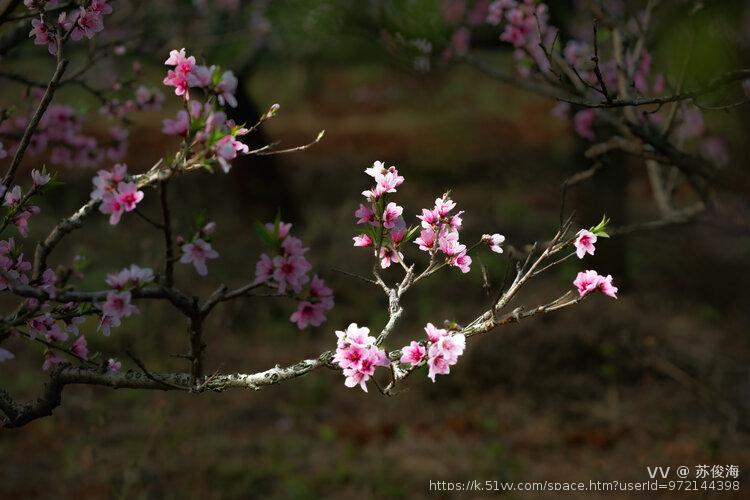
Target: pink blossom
x=433, y=332
x=113, y=365
x=132, y=277
x=398, y=231
x=51, y=360
x=590, y=280
x=413, y=354
x=49, y=282
x=290, y=272
x=378, y=167
x=429, y=217
x=426, y=239
x=583, y=122
x=209, y=228
x=118, y=305
x=358, y=356
x=443, y=206
x=21, y=220
x=180, y=61
x=197, y=253
x=308, y=314
x=606, y=287
x=584, y=243
x=88, y=24
x=107, y=323
x=38, y=178
x=321, y=293
x=443, y=351
x=449, y=245
x=100, y=7
x=386, y=181
x=46, y=326
x=263, y=268
x=284, y=229
x=388, y=255
x=226, y=89
x=71, y=324
x=462, y=261
x=129, y=195
x=391, y=213
x=365, y=368
x=586, y=282
x=105, y=182
x=13, y=197
x=493, y=241
x=292, y=246
x=362, y=240
x=715, y=150
x=200, y=76
x=365, y=215
x=227, y=148
x=177, y=126
x=389, y=180
x=80, y=348
x=111, y=206
x=456, y=221
x=43, y=35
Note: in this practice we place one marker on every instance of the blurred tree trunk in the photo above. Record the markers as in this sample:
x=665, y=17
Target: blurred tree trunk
x=606, y=194
x=260, y=182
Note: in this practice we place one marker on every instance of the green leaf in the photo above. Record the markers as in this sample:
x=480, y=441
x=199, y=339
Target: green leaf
x=410, y=233
x=266, y=237
x=277, y=224
x=599, y=229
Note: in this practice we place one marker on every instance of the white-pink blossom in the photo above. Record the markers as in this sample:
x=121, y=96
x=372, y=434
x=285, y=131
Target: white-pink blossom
x=118, y=305
x=584, y=243
x=413, y=354
x=494, y=242
x=358, y=355
x=197, y=253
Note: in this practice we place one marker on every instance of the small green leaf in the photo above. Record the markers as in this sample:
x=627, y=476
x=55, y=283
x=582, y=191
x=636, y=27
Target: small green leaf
x=266, y=237
x=277, y=224
x=410, y=233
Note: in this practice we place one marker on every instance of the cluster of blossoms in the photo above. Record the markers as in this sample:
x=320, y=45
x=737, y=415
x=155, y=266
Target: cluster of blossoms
x=198, y=249
x=525, y=23
x=84, y=22
x=358, y=355
x=60, y=132
x=18, y=207
x=440, y=233
x=115, y=193
x=186, y=73
x=288, y=272
x=385, y=228
x=526, y=28
x=12, y=264
x=386, y=231
x=144, y=99
x=442, y=352
x=55, y=326
x=59, y=332
x=202, y=123
x=118, y=301
x=589, y=281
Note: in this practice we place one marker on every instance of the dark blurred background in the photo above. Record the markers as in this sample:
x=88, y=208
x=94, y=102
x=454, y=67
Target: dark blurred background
x=599, y=391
